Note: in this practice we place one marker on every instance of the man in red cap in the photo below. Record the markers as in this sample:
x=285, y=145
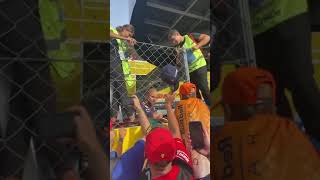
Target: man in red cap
x=255, y=143
x=168, y=158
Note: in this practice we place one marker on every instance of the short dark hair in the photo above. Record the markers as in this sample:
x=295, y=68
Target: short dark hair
x=173, y=32
x=127, y=27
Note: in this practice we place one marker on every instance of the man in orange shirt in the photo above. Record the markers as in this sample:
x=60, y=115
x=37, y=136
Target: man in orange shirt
x=256, y=143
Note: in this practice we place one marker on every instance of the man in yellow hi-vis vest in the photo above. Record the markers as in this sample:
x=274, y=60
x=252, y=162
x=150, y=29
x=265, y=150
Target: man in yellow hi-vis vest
x=53, y=26
x=282, y=38
x=121, y=78
x=196, y=59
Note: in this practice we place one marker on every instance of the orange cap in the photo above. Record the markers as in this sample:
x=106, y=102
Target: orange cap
x=240, y=87
x=185, y=89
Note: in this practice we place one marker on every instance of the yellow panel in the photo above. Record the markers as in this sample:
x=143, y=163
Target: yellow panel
x=68, y=89
x=316, y=40
x=95, y=31
x=74, y=47
x=141, y=67
x=97, y=14
x=132, y=136
x=226, y=69
x=72, y=29
x=71, y=8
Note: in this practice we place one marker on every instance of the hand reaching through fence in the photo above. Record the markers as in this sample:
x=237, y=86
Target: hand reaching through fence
x=131, y=41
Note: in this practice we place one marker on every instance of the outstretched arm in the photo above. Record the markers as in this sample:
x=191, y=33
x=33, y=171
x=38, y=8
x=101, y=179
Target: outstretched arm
x=131, y=41
x=172, y=120
x=143, y=119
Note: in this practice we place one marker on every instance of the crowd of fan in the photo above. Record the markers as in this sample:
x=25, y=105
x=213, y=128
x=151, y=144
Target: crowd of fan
x=162, y=153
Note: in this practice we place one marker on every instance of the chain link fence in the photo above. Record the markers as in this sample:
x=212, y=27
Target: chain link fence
x=232, y=44
x=138, y=69
x=233, y=37
x=34, y=84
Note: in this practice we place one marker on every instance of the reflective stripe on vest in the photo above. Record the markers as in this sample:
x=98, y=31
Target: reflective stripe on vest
x=122, y=45
x=52, y=22
x=195, y=58
x=266, y=14
x=51, y=16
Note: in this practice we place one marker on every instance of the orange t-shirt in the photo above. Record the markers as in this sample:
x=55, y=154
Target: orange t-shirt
x=263, y=148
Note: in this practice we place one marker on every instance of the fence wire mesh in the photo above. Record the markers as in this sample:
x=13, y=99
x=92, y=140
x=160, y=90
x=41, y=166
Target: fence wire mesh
x=233, y=42
x=34, y=84
x=144, y=62
x=232, y=45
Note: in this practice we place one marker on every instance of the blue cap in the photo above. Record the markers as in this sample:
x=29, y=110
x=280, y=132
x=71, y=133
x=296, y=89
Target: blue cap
x=169, y=74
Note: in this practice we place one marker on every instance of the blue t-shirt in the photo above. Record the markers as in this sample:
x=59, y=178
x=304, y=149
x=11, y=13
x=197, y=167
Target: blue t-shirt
x=130, y=165
x=149, y=110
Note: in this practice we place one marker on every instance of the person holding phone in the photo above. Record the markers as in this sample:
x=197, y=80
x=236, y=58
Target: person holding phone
x=204, y=149
x=122, y=42
x=195, y=117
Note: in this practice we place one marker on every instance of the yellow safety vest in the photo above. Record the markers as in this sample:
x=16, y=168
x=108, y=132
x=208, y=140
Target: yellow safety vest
x=270, y=13
x=195, y=58
x=51, y=17
x=130, y=78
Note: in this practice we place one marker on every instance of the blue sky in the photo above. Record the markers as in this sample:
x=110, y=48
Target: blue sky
x=120, y=12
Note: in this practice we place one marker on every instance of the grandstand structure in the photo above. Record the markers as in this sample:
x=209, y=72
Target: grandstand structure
x=154, y=18
x=234, y=45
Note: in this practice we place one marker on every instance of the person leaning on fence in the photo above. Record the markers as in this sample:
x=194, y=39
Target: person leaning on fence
x=196, y=59
x=120, y=76
x=151, y=98
x=255, y=142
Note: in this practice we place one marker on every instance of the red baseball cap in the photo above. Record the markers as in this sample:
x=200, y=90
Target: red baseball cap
x=240, y=87
x=160, y=146
x=185, y=89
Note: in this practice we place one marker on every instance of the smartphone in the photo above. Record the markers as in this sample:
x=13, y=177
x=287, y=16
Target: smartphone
x=196, y=134
x=56, y=125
